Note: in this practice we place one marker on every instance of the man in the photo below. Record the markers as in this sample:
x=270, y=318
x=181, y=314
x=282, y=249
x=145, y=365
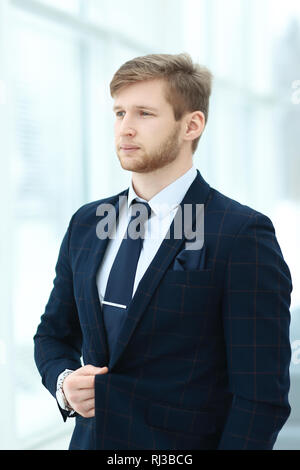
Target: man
x=183, y=347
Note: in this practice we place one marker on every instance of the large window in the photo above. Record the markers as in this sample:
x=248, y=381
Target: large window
x=250, y=149
x=57, y=153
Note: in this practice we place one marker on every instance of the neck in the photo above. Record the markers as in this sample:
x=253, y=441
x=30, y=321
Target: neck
x=146, y=185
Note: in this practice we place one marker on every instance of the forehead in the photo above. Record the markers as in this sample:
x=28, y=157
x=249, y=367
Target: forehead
x=146, y=94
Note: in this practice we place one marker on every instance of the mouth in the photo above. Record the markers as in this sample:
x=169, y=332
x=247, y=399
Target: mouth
x=129, y=149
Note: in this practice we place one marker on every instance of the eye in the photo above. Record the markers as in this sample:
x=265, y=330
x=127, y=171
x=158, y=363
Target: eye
x=142, y=112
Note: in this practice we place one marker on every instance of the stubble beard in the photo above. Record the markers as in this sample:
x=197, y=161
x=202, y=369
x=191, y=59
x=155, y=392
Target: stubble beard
x=165, y=154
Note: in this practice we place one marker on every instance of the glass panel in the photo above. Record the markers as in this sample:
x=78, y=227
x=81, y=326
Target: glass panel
x=284, y=56
x=72, y=6
x=48, y=189
x=153, y=24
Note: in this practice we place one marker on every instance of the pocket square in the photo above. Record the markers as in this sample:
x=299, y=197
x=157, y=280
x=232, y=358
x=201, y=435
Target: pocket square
x=188, y=260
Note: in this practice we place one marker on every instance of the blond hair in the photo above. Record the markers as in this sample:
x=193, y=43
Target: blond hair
x=188, y=84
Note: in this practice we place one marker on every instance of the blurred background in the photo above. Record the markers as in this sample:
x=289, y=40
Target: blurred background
x=57, y=58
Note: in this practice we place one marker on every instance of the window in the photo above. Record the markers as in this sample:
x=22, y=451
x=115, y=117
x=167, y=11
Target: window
x=57, y=153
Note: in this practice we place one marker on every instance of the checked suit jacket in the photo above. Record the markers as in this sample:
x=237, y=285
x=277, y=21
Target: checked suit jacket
x=202, y=358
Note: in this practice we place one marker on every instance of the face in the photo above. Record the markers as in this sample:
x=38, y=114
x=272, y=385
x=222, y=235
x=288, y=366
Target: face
x=144, y=119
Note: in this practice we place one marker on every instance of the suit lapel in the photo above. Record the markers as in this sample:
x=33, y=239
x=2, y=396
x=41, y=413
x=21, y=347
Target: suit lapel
x=97, y=253
x=196, y=194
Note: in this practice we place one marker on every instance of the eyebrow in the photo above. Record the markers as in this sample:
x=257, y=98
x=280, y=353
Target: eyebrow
x=115, y=108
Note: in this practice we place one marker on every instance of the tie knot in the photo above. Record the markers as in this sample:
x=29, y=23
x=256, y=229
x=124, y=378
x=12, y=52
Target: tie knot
x=141, y=212
x=139, y=208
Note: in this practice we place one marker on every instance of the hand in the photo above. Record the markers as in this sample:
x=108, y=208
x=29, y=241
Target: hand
x=79, y=389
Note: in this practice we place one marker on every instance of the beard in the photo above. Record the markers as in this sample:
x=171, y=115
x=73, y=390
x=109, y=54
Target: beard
x=163, y=155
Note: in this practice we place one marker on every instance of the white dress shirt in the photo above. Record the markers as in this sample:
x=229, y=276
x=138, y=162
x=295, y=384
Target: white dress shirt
x=164, y=206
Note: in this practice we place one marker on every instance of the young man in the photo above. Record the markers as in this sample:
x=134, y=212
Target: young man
x=184, y=347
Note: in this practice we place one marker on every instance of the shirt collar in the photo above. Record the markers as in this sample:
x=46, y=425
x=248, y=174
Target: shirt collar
x=169, y=197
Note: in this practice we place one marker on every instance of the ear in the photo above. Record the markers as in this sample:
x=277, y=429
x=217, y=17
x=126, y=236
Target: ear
x=195, y=124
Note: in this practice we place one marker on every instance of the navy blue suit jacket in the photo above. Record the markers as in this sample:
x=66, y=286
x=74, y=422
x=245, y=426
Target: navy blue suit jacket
x=202, y=359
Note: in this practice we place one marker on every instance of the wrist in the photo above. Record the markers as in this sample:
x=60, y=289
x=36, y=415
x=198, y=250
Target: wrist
x=60, y=395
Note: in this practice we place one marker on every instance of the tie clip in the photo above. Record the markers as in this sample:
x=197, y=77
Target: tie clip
x=113, y=304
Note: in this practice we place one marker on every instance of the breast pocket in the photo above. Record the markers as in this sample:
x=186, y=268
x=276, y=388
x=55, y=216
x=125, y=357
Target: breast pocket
x=186, y=292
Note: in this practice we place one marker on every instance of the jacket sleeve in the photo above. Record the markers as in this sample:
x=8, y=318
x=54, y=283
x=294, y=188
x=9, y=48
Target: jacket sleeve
x=58, y=339
x=256, y=321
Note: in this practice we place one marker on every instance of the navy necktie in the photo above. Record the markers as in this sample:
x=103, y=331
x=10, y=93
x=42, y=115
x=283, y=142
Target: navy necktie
x=120, y=283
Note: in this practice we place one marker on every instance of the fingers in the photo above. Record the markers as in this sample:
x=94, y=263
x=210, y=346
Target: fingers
x=86, y=408
x=78, y=396
x=84, y=377
x=82, y=382
x=80, y=400
x=91, y=370
x=79, y=389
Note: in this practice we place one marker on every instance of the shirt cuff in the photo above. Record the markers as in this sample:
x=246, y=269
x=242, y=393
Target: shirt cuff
x=60, y=379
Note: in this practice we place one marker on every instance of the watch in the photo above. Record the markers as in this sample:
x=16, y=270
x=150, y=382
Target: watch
x=60, y=396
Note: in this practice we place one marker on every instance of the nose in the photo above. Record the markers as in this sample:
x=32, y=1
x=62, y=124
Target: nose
x=127, y=131
x=126, y=128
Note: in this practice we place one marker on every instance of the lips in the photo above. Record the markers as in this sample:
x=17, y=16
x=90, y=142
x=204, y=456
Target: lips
x=127, y=147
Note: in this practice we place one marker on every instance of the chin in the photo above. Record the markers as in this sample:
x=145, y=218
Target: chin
x=127, y=164
x=131, y=164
